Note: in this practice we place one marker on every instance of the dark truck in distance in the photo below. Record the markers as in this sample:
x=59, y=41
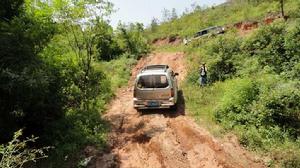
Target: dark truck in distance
x=215, y=30
x=210, y=31
x=155, y=88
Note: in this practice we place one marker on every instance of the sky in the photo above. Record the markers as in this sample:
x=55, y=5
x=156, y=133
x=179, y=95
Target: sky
x=143, y=11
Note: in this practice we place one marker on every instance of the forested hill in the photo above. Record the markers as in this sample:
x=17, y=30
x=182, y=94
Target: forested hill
x=253, y=86
x=56, y=66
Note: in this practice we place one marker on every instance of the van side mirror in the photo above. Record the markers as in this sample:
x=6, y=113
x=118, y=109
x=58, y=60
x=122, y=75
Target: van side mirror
x=176, y=74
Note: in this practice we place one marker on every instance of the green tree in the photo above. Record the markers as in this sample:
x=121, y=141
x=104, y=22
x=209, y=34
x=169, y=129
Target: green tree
x=10, y=9
x=166, y=14
x=28, y=95
x=154, y=24
x=47, y=81
x=282, y=9
x=174, y=14
x=106, y=44
x=131, y=40
x=79, y=18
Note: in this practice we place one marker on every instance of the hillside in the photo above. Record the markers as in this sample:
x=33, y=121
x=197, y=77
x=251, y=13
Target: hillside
x=253, y=89
x=223, y=15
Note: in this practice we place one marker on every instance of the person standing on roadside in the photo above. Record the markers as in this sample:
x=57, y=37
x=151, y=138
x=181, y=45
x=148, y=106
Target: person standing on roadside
x=203, y=75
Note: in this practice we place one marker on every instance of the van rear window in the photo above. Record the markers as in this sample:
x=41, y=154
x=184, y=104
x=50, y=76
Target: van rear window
x=153, y=81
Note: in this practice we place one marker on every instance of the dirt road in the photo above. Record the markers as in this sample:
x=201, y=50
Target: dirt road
x=165, y=138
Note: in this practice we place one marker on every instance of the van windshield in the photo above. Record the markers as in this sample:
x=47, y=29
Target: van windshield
x=153, y=81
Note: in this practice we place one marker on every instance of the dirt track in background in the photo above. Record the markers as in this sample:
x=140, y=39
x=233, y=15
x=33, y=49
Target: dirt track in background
x=165, y=138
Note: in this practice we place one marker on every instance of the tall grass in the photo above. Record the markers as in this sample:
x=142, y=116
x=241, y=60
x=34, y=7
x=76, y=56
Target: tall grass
x=117, y=70
x=201, y=103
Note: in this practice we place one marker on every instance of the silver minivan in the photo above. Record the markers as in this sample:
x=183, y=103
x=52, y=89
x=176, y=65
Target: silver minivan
x=155, y=87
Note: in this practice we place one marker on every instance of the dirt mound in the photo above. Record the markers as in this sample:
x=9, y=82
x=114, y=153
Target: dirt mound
x=164, y=138
x=174, y=40
x=174, y=60
x=246, y=27
x=271, y=17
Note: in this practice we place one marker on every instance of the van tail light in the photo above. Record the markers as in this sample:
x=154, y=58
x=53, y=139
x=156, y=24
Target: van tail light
x=172, y=92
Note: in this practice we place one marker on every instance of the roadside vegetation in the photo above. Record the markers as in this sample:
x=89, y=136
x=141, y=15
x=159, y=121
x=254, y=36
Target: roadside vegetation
x=59, y=66
x=254, y=88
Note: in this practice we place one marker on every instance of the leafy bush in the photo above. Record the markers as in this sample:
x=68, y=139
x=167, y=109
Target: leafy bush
x=29, y=89
x=267, y=44
x=17, y=153
x=294, y=10
x=193, y=77
x=264, y=111
x=234, y=108
x=131, y=40
x=295, y=72
x=221, y=53
x=81, y=123
x=106, y=43
x=275, y=46
x=280, y=107
x=71, y=134
x=118, y=71
x=48, y=83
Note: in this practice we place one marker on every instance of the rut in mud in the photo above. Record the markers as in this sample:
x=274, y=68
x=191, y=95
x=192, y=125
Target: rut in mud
x=164, y=138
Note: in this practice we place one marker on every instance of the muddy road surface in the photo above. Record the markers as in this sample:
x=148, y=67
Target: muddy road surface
x=165, y=138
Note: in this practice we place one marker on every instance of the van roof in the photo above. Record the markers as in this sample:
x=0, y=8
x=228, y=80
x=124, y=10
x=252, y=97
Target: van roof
x=154, y=69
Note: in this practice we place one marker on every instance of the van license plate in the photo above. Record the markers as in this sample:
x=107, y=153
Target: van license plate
x=153, y=104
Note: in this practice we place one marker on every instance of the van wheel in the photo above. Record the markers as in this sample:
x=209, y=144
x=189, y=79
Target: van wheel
x=174, y=107
x=138, y=110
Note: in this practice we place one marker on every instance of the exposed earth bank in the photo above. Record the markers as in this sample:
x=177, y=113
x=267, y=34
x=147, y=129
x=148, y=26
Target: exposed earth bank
x=164, y=138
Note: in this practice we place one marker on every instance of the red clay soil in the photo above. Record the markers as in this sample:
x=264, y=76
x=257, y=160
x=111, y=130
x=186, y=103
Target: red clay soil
x=164, y=138
x=245, y=28
x=271, y=17
x=167, y=41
